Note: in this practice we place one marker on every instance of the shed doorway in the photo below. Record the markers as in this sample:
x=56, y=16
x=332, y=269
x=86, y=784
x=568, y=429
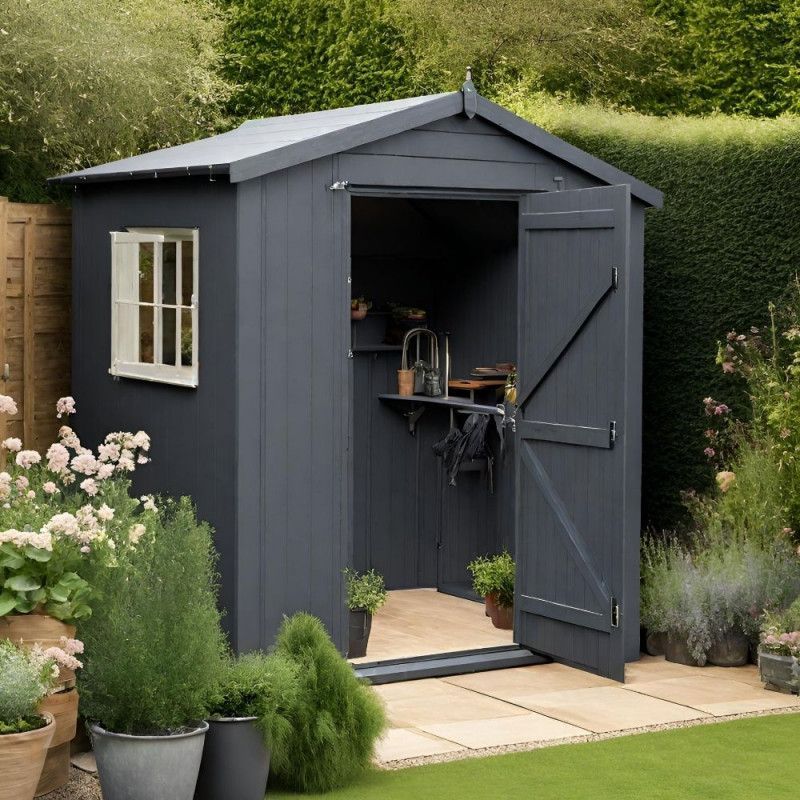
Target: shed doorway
x=450, y=266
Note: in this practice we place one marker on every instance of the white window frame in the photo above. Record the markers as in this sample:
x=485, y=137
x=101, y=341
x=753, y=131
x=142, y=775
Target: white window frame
x=124, y=265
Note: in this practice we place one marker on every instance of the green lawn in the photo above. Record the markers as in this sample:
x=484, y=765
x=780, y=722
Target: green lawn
x=753, y=758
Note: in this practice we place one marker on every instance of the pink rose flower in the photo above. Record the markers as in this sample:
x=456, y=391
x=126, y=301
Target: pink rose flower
x=7, y=405
x=27, y=458
x=13, y=444
x=65, y=405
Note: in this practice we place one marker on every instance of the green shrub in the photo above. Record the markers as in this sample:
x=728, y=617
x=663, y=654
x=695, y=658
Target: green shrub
x=366, y=591
x=293, y=56
x=258, y=685
x=24, y=681
x=494, y=575
x=154, y=643
x=336, y=718
x=724, y=245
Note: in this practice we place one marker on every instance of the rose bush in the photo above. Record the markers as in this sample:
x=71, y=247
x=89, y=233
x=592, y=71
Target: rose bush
x=62, y=511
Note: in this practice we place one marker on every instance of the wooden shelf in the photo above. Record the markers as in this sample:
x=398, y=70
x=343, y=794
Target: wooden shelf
x=377, y=348
x=463, y=403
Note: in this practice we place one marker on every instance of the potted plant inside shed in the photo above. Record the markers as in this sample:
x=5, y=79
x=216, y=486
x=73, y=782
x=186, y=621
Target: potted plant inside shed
x=359, y=308
x=779, y=650
x=366, y=593
x=25, y=732
x=247, y=717
x=493, y=579
x=154, y=649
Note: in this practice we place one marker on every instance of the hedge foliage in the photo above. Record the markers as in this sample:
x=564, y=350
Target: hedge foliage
x=724, y=245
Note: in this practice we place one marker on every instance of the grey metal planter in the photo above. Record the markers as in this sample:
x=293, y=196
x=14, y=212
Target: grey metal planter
x=676, y=649
x=360, y=627
x=779, y=672
x=732, y=649
x=235, y=761
x=148, y=767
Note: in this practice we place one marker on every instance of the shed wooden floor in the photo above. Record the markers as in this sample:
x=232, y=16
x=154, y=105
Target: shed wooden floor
x=420, y=622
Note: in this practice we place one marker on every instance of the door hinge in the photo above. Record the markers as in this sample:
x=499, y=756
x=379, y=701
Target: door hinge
x=614, y=278
x=349, y=353
x=338, y=186
x=612, y=432
x=349, y=280
x=614, y=613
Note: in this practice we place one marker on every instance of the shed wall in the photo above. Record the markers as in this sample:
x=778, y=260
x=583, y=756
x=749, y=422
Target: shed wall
x=192, y=429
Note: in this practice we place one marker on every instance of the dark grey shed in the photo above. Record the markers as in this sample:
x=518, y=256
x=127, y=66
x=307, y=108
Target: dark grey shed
x=526, y=248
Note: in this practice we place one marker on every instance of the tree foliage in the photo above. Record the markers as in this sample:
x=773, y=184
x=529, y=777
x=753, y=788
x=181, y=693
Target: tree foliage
x=584, y=48
x=87, y=81
x=293, y=56
x=736, y=56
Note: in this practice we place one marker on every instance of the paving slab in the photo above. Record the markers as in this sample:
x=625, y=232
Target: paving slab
x=714, y=695
x=521, y=683
x=401, y=743
x=503, y=731
x=430, y=701
x=608, y=708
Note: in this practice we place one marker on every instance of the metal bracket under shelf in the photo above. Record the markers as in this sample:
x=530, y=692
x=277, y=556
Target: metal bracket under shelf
x=413, y=417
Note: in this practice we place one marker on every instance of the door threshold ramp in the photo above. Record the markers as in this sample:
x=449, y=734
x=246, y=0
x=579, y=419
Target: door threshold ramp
x=441, y=665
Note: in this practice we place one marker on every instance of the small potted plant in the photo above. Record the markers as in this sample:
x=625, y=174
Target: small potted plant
x=25, y=733
x=247, y=717
x=493, y=579
x=359, y=307
x=154, y=648
x=779, y=650
x=366, y=593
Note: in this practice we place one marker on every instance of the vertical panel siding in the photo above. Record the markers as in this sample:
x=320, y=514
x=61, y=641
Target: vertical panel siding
x=193, y=430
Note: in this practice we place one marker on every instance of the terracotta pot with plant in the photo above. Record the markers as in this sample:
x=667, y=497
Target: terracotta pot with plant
x=154, y=648
x=493, y=579
x=359, y=308
x=248, y=717
x=62, y=513
x=26, y=677
x=366, y=593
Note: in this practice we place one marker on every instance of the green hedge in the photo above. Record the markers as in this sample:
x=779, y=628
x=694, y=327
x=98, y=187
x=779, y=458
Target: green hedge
x=724, y=245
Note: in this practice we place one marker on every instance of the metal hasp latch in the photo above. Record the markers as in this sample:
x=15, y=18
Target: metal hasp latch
x=470, y=96
x=614, y=613
x=612, y=433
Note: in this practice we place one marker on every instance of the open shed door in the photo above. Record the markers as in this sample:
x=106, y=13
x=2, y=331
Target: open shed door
x=571, y=470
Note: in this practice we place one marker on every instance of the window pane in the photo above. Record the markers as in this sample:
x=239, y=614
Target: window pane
x=146, y=334
x=186, y=338
x=187, y=272
x=168, y=316
x=168, y=278
x=146, y=261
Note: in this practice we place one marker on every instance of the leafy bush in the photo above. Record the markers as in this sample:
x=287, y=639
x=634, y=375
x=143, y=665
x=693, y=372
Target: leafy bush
x=366, y=591
x=724, y=245
x=63, y=513
x=25, y=679
x=258, y=685
x=336, y=718
x=293, y=56
x=721, y=587
x=154, y=643
x=494, y=575
x=87, y=81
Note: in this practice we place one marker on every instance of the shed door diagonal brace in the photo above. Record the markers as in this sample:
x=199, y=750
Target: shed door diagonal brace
x=576, y=324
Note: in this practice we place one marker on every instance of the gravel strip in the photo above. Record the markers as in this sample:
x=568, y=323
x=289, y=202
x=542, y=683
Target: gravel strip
x=81, y=786
x=460, y=755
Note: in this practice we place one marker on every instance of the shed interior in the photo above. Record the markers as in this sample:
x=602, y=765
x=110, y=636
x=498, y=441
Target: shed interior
x=457, y=260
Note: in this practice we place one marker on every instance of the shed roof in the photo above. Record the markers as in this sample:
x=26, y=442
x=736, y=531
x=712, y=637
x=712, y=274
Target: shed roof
x=262, y=146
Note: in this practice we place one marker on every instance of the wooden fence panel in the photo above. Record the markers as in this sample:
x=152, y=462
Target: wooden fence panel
x=35, y=351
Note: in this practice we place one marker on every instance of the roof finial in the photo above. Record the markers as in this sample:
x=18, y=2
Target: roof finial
x=470, y=95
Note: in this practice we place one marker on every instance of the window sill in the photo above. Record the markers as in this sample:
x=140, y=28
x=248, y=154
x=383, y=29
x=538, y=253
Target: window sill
x=157, y=373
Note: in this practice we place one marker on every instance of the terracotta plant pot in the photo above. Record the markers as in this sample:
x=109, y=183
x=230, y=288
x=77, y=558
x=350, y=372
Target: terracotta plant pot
x=405, y=382
x=732, y=649
x=502, y=616
x=676, y=650
x=46, y=631
x=63, y=707
x=779, y=673
x=21, y=760
x=360, y=627
x=358, y=313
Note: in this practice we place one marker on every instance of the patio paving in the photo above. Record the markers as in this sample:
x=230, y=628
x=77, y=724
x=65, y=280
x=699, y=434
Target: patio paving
x=440, y=718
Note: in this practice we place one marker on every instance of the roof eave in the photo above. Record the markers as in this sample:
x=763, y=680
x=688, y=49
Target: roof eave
x=78, y=178
x=567, y=152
